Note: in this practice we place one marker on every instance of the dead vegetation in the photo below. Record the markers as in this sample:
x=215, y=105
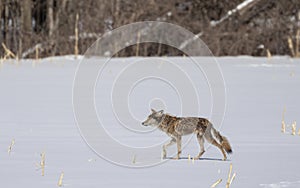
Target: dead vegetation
x=235, y=27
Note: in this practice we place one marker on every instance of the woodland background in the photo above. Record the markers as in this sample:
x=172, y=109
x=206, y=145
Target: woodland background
x=54, y=27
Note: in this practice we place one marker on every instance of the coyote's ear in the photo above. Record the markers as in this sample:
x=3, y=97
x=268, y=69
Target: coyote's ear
x=161, y=112
x=152, y=110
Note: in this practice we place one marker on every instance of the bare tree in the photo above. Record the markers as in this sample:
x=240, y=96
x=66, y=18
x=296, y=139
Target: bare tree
x=50, y=18
x=26, y=24
x=26, y=15
x=6, y=23
x=1, y=10
x=243, y=26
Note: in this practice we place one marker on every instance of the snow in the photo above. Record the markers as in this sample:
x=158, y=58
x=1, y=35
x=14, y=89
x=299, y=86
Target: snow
x=36, y=110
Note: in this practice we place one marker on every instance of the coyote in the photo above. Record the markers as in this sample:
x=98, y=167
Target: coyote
x=176, y=127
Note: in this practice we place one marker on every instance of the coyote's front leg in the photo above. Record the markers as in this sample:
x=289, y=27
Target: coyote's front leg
x=172, y=141
x=178, y=141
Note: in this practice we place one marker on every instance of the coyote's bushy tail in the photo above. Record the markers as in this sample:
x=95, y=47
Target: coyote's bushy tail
x=222, y=140
x=225, y=144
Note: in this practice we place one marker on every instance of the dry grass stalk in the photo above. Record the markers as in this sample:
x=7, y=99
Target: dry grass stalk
x=283, y=126
x=10, y=146
x=229, y=176
x=76, y=36
x=269, y=55
x=294, y=50
x=189, y=158
x=1, y=62
x=282, y=121
x=18, y=61
x=297, y=43
x=42, y=163
x=60, y=183
x=294, y=128
x=36, y=53
x=291, y=46
x=8, y=53
x=134, y=159
x=216, y=183
x=193, y=160
x=232, y=178
x=138, y=44
x=159, y=49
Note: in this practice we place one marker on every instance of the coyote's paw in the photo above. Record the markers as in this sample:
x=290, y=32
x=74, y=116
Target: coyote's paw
x=164, y=154
x=198, y=156
x=177, y=157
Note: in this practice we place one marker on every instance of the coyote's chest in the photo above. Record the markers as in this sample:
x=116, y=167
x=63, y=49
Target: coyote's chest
x=169, y=123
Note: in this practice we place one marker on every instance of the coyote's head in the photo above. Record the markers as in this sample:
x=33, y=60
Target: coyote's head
x=154, y=119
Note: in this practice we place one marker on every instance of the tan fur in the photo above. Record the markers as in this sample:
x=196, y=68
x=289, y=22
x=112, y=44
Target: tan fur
x=226, y=145
x=176, y=127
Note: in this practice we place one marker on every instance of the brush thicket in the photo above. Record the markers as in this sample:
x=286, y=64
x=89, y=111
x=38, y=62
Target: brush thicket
x=8, y=53
x=294, y=49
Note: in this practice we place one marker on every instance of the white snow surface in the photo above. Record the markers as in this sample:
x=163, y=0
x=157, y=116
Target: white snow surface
x=36, y=111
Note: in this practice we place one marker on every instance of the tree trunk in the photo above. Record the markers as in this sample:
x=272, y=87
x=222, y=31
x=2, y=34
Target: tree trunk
x=26, y=22
x=26, y=16
x=6, y=24
x=1, y=26
x=50, y=18
x=62, y=6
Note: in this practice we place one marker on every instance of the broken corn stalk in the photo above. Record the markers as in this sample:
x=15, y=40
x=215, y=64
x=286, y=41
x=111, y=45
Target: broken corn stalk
x=60, y=179
x=216, y=183
x=10, y=146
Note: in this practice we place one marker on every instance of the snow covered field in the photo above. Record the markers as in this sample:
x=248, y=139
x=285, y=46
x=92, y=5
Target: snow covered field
x=36, y=111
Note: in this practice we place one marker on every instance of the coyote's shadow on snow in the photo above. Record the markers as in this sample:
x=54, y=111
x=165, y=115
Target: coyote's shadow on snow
x=200, y=159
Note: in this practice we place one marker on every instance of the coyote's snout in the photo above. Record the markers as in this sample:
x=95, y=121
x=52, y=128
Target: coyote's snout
x=176, y=127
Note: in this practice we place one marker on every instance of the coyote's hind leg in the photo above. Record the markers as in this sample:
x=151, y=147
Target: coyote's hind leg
x=201, y=143
x=209, y=138
x=215, y=143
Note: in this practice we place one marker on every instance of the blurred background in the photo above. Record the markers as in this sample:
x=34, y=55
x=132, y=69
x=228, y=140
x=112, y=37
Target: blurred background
x=228, y=27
